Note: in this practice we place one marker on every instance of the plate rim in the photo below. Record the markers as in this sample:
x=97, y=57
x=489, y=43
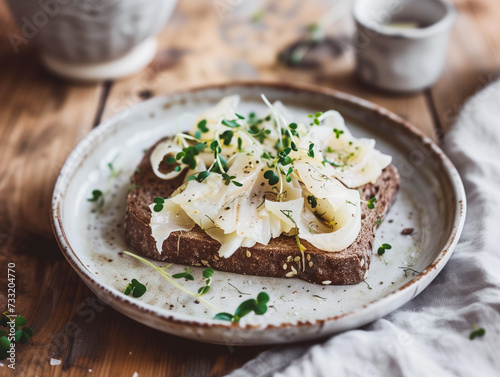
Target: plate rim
x=97, y=287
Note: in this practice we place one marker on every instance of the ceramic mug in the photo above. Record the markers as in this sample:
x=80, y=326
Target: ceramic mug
x=87, y=38
x=400, y=45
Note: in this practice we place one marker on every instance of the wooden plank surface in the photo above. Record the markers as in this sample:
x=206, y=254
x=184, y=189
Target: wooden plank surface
x=41, y=119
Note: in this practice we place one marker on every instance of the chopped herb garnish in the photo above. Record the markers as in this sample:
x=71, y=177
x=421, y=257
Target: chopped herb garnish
x=230, y=179
x=136, y=288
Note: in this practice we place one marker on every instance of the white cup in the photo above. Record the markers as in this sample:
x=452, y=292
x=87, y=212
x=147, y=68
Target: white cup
x=400, y=45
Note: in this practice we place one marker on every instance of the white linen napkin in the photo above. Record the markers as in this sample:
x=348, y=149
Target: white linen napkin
x=429, y=336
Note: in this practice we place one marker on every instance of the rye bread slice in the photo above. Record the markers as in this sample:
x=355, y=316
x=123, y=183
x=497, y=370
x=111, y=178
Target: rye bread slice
x=276, y=259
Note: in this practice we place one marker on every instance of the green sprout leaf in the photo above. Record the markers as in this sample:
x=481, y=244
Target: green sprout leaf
x=28, y=330
x=371, y=203
x=185, y=275
x=230, y=123
x=170, y=160
x=20, y=321
x=258, y=306
x=202, y=125
x=4, y=343
x=310, y=152
x=96, y=195
x=136, y=288
x=338, y=132
x=385, y=246
x=158, y=204
x=477, y=332
x=311, y=199
x=208, y=272
x=224, y=316
x=272, y=177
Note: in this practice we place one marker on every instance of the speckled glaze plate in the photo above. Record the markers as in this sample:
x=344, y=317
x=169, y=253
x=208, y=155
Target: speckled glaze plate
x=431, y=201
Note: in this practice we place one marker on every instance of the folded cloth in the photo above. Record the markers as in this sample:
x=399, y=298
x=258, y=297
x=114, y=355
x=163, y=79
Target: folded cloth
x=429, y=336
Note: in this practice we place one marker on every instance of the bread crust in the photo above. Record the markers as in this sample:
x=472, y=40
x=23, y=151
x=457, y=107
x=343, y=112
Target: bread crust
x=278, y=259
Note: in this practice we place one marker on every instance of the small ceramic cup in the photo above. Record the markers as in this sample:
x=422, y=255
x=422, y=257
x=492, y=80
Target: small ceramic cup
x=92, y=39
x=400, y=45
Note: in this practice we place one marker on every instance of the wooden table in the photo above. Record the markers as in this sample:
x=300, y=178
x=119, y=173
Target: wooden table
x=42, y=118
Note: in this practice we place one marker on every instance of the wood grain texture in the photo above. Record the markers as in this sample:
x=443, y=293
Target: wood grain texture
x=41, y=119
x=201, y=46
x=473, y=58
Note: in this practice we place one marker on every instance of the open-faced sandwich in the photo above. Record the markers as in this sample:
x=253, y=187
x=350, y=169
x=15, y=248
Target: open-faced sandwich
x=267, y=196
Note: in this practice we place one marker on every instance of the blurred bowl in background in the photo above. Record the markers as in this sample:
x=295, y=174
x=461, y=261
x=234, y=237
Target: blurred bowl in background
x=93, y=39
x=400, y=45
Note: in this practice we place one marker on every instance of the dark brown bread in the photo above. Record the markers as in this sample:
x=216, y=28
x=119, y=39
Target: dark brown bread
x=276, y=259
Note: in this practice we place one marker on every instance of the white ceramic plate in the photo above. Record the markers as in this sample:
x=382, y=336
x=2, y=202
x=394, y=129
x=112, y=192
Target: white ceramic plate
x=431, y=200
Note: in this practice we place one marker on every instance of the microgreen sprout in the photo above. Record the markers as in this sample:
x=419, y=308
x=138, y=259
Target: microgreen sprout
x=311, y=199
x=315, y=118
x=230, y=123
x=258, y=306
x=171, y=280
x=170, y=160
x=368, y=285
x=288, y=214
x=186, y=275
x=159, y=202
x=477, y=332
x=202, y=126
x=230, y=179
x=271, y=177
x=227, y=137
x=310, y=152
x=338, y=132
x=21, y=335
x=97, y=197
x=136, y=288
x=383, y=247
x=371, y=203
x=200, y=177
x=207, y=274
